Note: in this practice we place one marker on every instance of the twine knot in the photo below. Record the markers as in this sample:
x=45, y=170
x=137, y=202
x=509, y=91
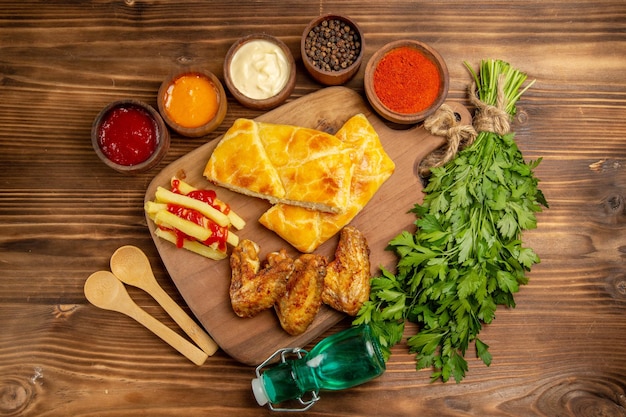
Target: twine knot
x=444, y=123
x=490, y=118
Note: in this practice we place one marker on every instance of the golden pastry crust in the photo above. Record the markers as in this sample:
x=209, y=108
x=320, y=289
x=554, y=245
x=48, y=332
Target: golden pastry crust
x=347, y=280
x=247, y=173
x=306, y=229
x=283, y=164
x=297, y=309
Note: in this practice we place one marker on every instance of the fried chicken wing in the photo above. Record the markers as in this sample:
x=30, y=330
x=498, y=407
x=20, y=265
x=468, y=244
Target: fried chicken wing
x=347, y=280
x=303, y=299
x=252, y=288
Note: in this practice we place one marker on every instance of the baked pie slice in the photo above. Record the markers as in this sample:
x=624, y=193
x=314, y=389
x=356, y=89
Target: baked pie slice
x=284, y=164
x=306, y=229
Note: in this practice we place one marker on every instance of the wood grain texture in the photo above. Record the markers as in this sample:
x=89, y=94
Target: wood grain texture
x=560, y=352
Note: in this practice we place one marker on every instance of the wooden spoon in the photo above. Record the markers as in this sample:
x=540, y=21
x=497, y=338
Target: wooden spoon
x=131, y=266
x=105, y=291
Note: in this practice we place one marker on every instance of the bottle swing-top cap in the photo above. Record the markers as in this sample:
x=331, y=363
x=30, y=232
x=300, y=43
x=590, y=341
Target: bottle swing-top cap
x=259, y=392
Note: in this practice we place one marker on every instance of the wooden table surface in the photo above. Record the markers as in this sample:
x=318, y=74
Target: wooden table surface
x=560, y=352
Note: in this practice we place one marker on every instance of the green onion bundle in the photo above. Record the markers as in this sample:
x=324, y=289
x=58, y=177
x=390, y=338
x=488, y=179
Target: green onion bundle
x=466, y=257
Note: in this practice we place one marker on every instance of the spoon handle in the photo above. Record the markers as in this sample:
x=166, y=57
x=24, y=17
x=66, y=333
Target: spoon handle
x=189, y=326
x=190, y=351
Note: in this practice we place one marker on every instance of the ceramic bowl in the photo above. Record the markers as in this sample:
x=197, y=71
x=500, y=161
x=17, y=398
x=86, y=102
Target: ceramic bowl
x=393, y=115
x=206, y=87
x=332, y=76
x=130, y=136
x=253, y=88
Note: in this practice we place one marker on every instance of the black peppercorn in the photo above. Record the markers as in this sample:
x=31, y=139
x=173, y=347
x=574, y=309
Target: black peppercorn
x=332, y=45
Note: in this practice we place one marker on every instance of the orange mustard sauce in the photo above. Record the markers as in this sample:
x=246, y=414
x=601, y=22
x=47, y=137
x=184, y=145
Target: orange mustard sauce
x=191, y=100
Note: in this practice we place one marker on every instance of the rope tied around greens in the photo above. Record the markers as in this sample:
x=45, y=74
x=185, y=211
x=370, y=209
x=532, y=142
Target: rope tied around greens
x=490, y=118
x=444, y=123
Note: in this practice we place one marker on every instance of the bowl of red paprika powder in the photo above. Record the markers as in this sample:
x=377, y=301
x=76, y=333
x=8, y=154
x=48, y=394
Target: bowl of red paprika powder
x=130, y=136
x=406, y=81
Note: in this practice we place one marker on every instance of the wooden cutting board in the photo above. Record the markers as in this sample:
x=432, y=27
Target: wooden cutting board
x=204, y=283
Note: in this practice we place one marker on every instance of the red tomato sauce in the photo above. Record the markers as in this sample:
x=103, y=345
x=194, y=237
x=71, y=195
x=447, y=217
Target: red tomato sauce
x=209, y=197
x=218, y=236
x=128, y=135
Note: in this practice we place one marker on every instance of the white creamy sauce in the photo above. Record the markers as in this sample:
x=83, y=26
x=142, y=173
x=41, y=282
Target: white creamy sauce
x=259, y=69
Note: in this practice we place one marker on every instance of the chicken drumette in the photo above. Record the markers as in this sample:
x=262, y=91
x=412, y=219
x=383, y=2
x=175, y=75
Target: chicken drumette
x=347, y=280
x=303, y=299
x=252, y=288
x=297, y=288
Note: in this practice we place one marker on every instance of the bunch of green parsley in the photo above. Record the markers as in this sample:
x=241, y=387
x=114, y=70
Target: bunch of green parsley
x=466, y=257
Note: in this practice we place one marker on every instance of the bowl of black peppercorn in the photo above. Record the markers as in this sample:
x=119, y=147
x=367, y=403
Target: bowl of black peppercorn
x=332, y=49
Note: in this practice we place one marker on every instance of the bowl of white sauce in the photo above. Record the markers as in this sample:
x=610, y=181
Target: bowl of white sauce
x=260, y=71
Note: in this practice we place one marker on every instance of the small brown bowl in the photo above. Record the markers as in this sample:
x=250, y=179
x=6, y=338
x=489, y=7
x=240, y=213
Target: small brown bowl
x=339, y=74
x=187, y=116
x=438, y=96
x=130, y=136
x=243, y=83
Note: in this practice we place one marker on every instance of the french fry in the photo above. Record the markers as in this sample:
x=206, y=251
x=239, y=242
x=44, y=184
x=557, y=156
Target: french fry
x=196, y=247
x=183, y=187
x=165, y=196
x=152, y=207
x=169, y=220
x=236, y=221
x=232, y=239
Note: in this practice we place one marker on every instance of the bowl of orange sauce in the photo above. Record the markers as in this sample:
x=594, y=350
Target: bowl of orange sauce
x=192, y=102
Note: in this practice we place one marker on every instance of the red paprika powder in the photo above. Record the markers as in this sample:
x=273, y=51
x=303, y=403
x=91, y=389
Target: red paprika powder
x=406, y=81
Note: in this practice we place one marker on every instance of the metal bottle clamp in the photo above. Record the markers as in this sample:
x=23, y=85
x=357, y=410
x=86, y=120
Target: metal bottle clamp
x=306, y=404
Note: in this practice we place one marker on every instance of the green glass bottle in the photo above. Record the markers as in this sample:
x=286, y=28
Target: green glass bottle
x=343, y=360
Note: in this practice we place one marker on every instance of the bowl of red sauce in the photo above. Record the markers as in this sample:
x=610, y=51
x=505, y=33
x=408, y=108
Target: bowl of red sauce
x=192, y=102
x=130, y=136
x=406, y=81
